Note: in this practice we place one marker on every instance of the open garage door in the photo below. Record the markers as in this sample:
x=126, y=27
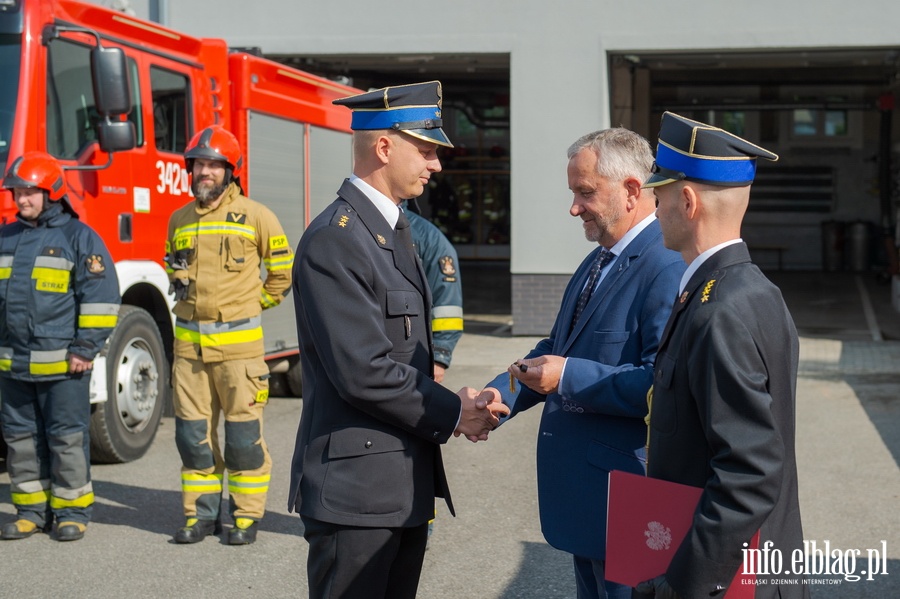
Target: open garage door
x=831, y=200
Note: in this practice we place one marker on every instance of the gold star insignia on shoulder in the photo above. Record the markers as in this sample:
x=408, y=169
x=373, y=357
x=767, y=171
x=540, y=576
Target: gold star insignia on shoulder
x=381, y=239
x=342, y=222
x=706, y=290
x=683, y=297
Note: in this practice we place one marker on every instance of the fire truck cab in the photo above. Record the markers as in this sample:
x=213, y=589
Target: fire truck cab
x=115, y=99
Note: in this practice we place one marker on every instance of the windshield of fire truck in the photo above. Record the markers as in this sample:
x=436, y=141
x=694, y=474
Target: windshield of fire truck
x=10, y=51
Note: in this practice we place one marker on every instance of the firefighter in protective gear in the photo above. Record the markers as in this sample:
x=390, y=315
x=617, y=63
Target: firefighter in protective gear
x=441, y=265
x=215, y=249
x=59, y=301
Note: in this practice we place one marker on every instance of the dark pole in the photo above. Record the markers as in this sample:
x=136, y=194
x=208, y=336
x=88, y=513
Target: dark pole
x=885, y=183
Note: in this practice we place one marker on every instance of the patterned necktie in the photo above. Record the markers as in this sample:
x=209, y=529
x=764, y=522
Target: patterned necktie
x=603, y=258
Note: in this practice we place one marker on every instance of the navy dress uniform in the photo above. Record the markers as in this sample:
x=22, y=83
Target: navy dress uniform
x=723, y=400
x=367, y=458
x=59, y=297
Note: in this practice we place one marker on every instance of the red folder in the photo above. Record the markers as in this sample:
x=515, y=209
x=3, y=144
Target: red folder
x=646, y=521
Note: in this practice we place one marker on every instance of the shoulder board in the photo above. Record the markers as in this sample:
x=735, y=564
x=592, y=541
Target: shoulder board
x=709, y=289
x=344, y=218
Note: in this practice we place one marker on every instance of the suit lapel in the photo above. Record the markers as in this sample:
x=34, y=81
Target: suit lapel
x=615, y=276
x=383, y=234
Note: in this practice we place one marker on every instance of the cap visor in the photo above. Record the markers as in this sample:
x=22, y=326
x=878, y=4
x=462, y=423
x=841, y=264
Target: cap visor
x=657, y=180
x=436, y=136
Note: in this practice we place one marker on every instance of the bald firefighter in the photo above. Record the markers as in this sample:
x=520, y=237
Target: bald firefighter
x=59, y=301
x=215, y=250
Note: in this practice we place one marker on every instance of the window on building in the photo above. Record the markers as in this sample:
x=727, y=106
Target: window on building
x=733, y=121
x=813, y=122
x=171, y=116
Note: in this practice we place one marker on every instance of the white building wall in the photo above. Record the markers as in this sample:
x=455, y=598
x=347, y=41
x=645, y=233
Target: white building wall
x=558, y=78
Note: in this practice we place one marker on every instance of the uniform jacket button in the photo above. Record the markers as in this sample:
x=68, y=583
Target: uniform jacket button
x=368, y=444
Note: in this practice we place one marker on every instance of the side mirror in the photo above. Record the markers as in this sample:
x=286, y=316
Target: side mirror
x=112, y=94
x=115, y=136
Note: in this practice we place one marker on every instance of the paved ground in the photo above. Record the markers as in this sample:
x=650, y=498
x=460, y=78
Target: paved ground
x=848, y=452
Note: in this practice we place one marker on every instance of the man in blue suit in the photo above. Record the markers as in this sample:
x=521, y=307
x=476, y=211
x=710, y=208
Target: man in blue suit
x=595, y=369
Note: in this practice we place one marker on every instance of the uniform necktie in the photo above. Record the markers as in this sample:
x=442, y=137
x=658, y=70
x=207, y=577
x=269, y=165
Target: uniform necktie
x=405, y=257
x=603, y=258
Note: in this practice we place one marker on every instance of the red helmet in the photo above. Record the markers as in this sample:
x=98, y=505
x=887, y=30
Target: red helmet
x=37, y=170
x=215, y=143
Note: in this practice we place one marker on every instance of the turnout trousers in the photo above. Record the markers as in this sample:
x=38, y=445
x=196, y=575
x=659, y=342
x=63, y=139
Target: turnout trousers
x=45, y=426
x=239, y=389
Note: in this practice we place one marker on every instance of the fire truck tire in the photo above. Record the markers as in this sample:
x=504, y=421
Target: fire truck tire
x=295, y=377
x=123, y=427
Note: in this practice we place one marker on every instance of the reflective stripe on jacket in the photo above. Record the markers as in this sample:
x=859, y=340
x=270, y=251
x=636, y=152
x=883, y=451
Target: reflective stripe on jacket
x=223, y=251
x=59, y=294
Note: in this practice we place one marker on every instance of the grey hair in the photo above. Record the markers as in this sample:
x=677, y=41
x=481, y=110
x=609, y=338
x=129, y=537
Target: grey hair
x=622, y=153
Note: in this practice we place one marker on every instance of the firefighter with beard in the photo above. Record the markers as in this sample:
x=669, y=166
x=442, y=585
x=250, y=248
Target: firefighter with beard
x=59, y=301
x=215, y=249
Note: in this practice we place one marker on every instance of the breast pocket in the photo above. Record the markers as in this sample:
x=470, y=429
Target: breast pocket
x=52, y=272
x=237, y=252
x=403, y=321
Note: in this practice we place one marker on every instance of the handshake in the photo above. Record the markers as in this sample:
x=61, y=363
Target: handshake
x=481, y=413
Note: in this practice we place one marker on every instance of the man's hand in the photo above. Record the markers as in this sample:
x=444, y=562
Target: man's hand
x=477, y=418
x=539, y=374
x=655, y=587
x=79, y=364
x=439, y=373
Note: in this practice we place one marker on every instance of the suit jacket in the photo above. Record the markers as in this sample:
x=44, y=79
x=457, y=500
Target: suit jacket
x=610, y=354
x=367, y=450
x=723, y=419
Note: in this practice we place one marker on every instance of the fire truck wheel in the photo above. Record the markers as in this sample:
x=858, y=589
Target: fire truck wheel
x=123, y=427
x=295, y=377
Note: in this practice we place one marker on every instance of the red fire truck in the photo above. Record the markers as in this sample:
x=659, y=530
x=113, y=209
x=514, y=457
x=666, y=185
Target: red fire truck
x=116, y=99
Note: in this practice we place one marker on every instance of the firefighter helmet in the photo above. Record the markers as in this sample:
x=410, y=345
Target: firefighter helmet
x=37, y=170
x=215, y=143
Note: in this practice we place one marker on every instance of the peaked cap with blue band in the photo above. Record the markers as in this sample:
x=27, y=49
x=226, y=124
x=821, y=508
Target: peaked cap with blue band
x=414, y=109
x=694, y=151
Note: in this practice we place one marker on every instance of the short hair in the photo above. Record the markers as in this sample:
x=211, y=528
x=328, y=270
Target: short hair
x=363, y=141
x=621, y=153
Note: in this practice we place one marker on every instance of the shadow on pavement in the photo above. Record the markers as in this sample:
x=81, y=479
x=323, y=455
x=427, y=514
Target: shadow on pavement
x=159, y=511
x=538, y=574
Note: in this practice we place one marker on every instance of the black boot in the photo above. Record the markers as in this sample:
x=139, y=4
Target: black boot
x=243, y=533
x=195, y=530
x=20, y=529
x=70, y=531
